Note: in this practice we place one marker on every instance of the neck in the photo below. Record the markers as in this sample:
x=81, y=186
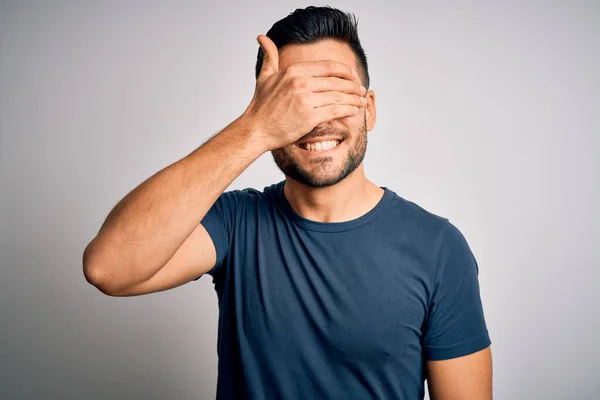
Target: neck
x=347, y=200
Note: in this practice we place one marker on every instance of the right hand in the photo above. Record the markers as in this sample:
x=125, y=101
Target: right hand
x=289, y=104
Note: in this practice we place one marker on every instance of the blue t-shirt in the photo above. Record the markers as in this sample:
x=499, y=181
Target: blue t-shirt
x=343, y=310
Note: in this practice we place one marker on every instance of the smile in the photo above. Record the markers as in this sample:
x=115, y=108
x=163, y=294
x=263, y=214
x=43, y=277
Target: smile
x=320, y=146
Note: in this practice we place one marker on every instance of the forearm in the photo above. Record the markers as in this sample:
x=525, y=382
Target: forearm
x=148, y=225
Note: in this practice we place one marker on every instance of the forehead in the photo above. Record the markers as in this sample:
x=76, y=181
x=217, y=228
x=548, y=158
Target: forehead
x=326, y=49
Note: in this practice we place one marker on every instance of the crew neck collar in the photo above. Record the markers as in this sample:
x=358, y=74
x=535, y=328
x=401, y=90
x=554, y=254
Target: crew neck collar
x=331, y=226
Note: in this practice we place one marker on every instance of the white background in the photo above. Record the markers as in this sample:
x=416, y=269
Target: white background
x=488, y=114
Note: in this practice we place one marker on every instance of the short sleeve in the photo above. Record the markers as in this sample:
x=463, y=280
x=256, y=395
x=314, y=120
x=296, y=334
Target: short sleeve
x=455, y=325
x=219, y=222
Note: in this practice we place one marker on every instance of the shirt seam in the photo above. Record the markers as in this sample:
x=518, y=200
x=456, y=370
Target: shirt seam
x=483, y=334
x=436, y=263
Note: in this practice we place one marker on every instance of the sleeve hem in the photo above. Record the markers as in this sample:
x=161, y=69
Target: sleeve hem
x=217, y=236
x=433, y=353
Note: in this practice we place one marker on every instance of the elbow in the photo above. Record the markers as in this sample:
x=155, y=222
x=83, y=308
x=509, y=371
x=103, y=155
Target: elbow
x=97, y=272
x=96, y=277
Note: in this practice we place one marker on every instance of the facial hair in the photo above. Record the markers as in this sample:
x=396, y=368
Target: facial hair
x=355, y=155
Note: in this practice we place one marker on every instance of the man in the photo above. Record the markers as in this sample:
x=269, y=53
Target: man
x=329, y=285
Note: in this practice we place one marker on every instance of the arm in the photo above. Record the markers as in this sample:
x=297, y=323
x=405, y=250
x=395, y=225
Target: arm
x=462, y=378
x=153, y=240
x=456, y=340
x=161, y=216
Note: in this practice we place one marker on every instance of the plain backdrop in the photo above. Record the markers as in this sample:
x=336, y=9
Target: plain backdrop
x=488, y=114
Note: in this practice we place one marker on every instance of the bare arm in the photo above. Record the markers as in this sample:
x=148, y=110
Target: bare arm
x=145, y=229
x=153, y=240
x=462, y=378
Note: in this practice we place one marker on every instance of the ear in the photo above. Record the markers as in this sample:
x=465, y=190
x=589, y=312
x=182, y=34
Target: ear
x=371, y=111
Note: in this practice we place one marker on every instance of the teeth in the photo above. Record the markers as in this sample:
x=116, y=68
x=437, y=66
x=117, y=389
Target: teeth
x=320, y=146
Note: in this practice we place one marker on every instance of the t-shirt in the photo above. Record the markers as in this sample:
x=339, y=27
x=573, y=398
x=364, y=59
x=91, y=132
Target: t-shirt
x=339, y=310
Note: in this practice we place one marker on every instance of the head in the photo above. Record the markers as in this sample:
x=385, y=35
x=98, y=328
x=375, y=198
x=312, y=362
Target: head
x=323, y=33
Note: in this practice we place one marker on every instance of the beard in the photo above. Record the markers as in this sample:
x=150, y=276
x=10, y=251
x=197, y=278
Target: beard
x=326, y=173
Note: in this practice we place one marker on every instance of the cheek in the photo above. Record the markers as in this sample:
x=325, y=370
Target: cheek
x=355, y=123
x=291, y=149
x=351, y=120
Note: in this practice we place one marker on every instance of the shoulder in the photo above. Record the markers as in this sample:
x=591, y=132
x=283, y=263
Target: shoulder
x=427, y=231
x=415, y=219
x=424, y=221
x=248, y=198
x=250, y=194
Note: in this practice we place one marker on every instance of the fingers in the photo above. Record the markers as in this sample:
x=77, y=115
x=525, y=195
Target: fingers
x=323, y=68
x=333, y=111
x=335, y=97
x=270, y=63
x=326, y=84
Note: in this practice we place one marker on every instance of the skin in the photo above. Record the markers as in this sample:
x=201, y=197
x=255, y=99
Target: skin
x=462, y=378
x=353, y=195
x=152, y=239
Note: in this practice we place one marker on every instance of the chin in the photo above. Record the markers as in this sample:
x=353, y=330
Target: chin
x=319, y=182
x=329, y=175
x=320, y=169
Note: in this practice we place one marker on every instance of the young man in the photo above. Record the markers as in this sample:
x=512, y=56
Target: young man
x=329, y=285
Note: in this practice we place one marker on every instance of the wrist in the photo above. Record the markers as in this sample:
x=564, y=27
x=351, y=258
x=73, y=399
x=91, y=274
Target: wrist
x=247, y=132
x=251, y=133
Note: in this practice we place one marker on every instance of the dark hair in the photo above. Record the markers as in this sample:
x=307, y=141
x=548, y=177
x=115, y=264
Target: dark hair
x=311, y=24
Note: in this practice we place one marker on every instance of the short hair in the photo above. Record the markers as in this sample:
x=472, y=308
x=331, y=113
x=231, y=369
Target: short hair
x=312, y=24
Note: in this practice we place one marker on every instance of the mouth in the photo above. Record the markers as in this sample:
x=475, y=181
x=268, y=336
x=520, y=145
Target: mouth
x=318, y=147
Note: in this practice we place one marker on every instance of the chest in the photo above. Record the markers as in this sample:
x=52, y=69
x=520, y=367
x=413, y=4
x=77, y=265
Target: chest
x=355, y=298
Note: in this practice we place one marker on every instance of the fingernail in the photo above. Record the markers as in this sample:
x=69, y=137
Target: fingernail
x=363, y=89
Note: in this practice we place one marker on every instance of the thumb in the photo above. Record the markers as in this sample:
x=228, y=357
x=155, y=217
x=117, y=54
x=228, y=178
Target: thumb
x=270, y=63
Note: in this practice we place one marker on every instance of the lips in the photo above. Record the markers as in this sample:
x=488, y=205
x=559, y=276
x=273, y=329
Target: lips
x=321, y=139
x=319, y=145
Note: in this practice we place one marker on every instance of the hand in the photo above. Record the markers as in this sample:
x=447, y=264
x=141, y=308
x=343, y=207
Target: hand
x=289, y=104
